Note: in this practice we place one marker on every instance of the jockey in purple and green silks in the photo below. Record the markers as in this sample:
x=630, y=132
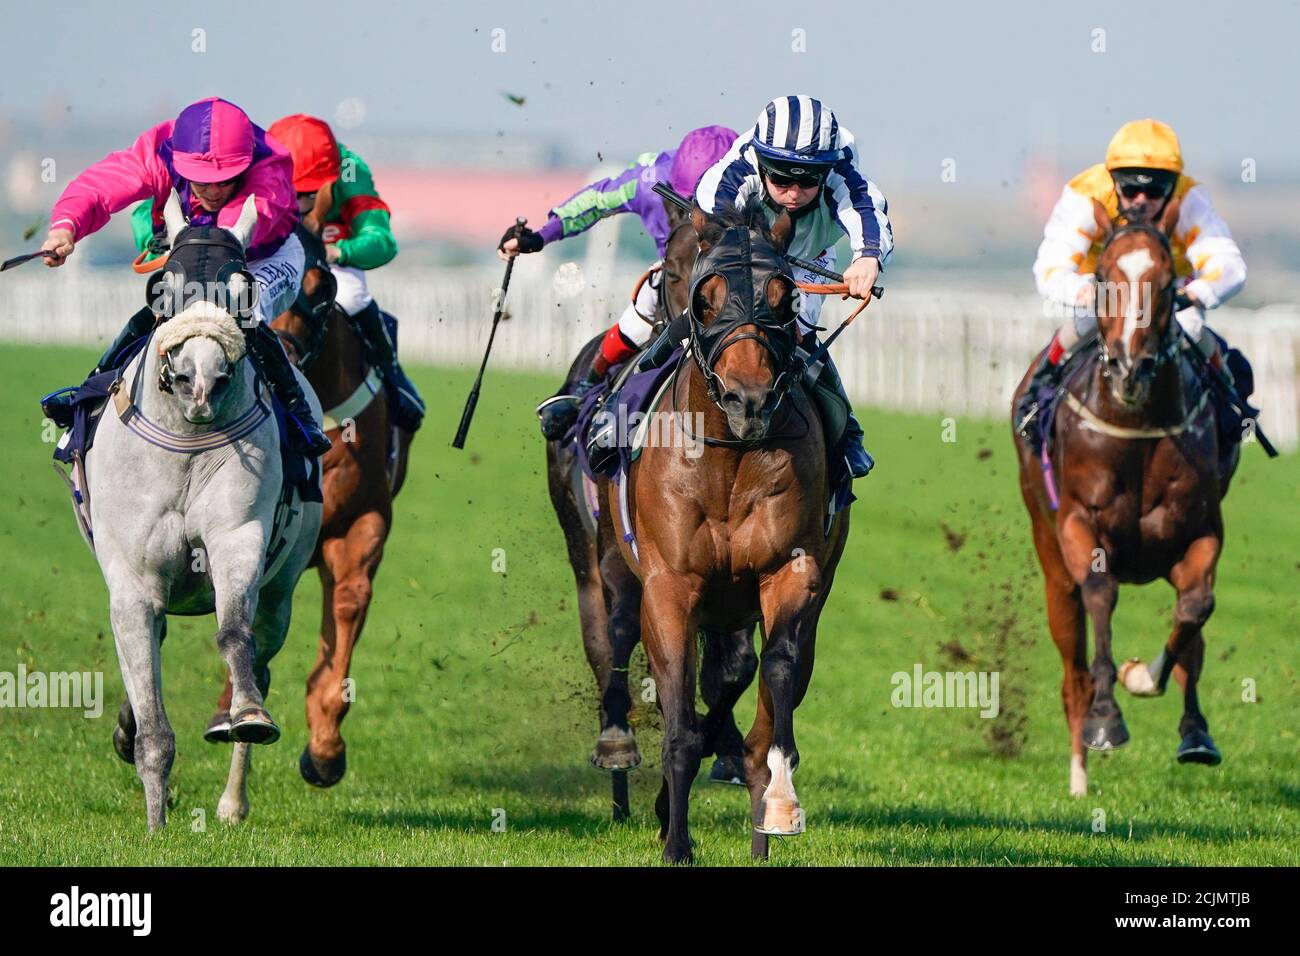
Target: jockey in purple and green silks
x=630, y=191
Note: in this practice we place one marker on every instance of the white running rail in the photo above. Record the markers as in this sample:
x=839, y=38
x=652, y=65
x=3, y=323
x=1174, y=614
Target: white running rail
x=918, y=349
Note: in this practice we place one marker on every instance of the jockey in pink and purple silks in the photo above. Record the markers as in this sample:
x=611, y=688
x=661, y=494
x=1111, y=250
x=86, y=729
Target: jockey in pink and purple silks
x=630, y=191
x=214, y=157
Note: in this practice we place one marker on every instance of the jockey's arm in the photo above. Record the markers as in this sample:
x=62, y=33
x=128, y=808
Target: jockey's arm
x=596, y=201
x=1066, y=240
x=863, y=214
x=1220, y=271
x=91, y=199
x=370, y=243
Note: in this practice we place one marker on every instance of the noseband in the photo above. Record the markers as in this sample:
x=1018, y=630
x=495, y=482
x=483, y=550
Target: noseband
x=746, y=270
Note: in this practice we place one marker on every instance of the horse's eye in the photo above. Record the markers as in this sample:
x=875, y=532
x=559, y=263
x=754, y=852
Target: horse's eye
x=220, y=381
x=181, y=378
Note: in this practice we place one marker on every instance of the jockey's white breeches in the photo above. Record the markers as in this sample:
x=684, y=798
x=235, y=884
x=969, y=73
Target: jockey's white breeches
x=278, y=278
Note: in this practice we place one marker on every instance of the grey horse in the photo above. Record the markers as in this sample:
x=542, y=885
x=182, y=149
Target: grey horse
x=185, y=490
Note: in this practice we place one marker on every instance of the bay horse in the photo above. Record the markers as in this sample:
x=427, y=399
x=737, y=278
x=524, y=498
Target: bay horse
x=727, y=508
x=1141, y=474
x=609, y=593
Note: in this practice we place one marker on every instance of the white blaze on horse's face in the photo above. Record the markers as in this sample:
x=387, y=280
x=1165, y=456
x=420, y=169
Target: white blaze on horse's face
x=200, y=378
x=1134, y=265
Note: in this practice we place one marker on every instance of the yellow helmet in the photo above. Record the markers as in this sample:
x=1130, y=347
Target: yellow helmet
x=1145, y=144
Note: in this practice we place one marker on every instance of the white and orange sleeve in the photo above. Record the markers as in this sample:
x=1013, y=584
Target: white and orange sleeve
x=1066, y=241
x=1220, y=271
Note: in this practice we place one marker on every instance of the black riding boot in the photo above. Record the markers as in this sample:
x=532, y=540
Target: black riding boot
x=409, y=407
x=58, y=406
x=268, y=355
x=1046, y=377
x=857, y=458
x=558, y=413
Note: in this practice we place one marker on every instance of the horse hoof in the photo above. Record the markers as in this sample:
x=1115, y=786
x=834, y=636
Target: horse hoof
x=322, y=773
x=1137, y=679
x=232, y=811
x=1197, y=747
x=1105, y=733
x=125, y=745
x=615, y=749
x=218, y=730
x=253, y=725
x=728, y=770
x=781, y=817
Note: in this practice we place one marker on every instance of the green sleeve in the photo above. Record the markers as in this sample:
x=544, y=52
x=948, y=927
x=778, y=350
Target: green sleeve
x=371, y=243
x=142, y=225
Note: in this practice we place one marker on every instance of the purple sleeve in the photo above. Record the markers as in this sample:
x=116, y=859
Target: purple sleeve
x=630, y=191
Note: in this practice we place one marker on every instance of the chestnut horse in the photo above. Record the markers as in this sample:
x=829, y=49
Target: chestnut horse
x=609, y=594
x=727, y=506
x=1141, y=474
x=362, y=474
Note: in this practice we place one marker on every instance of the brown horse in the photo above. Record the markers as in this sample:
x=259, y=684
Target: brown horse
x=609, y=594
x=1141, y=474
x=727, y=505
x=362, y=474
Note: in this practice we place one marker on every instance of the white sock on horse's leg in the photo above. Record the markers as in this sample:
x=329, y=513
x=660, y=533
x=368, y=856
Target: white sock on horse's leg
x=233, y=806
x=1078, y=776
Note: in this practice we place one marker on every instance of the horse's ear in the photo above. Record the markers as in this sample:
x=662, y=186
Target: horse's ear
x=243, y=227
x=782, y=231
x=700, y=223
x=173, y=217
x=1104, y=225
x=1169, y=218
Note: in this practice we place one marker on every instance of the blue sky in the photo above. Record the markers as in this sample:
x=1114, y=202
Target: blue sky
x=917, y=82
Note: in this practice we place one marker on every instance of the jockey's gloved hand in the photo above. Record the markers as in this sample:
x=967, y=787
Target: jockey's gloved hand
x=519, y=239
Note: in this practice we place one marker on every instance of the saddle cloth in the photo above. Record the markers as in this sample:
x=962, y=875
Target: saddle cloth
x=637, y=395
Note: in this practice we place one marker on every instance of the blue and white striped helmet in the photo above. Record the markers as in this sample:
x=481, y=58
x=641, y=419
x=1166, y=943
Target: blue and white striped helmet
x=797, y=130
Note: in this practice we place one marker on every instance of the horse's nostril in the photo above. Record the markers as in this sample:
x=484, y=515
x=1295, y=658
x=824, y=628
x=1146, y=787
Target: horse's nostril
x=731, y=398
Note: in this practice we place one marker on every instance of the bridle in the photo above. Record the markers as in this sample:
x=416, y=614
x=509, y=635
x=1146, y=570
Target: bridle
x=201, y=265
x=1169, y=343
x=746, y=272
x=315, y=309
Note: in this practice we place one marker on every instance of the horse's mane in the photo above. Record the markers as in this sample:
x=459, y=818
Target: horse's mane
x=752, y=215
x=207, y=320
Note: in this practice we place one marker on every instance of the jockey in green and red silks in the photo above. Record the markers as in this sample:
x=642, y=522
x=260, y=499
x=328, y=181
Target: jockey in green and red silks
x=631, y=191
x=214, y=157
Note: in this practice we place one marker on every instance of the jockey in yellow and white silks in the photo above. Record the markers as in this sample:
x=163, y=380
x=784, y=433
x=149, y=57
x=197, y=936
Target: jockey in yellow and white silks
x=1142, y=173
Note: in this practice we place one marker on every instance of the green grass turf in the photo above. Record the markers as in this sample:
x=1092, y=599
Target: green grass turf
x=473, y=696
